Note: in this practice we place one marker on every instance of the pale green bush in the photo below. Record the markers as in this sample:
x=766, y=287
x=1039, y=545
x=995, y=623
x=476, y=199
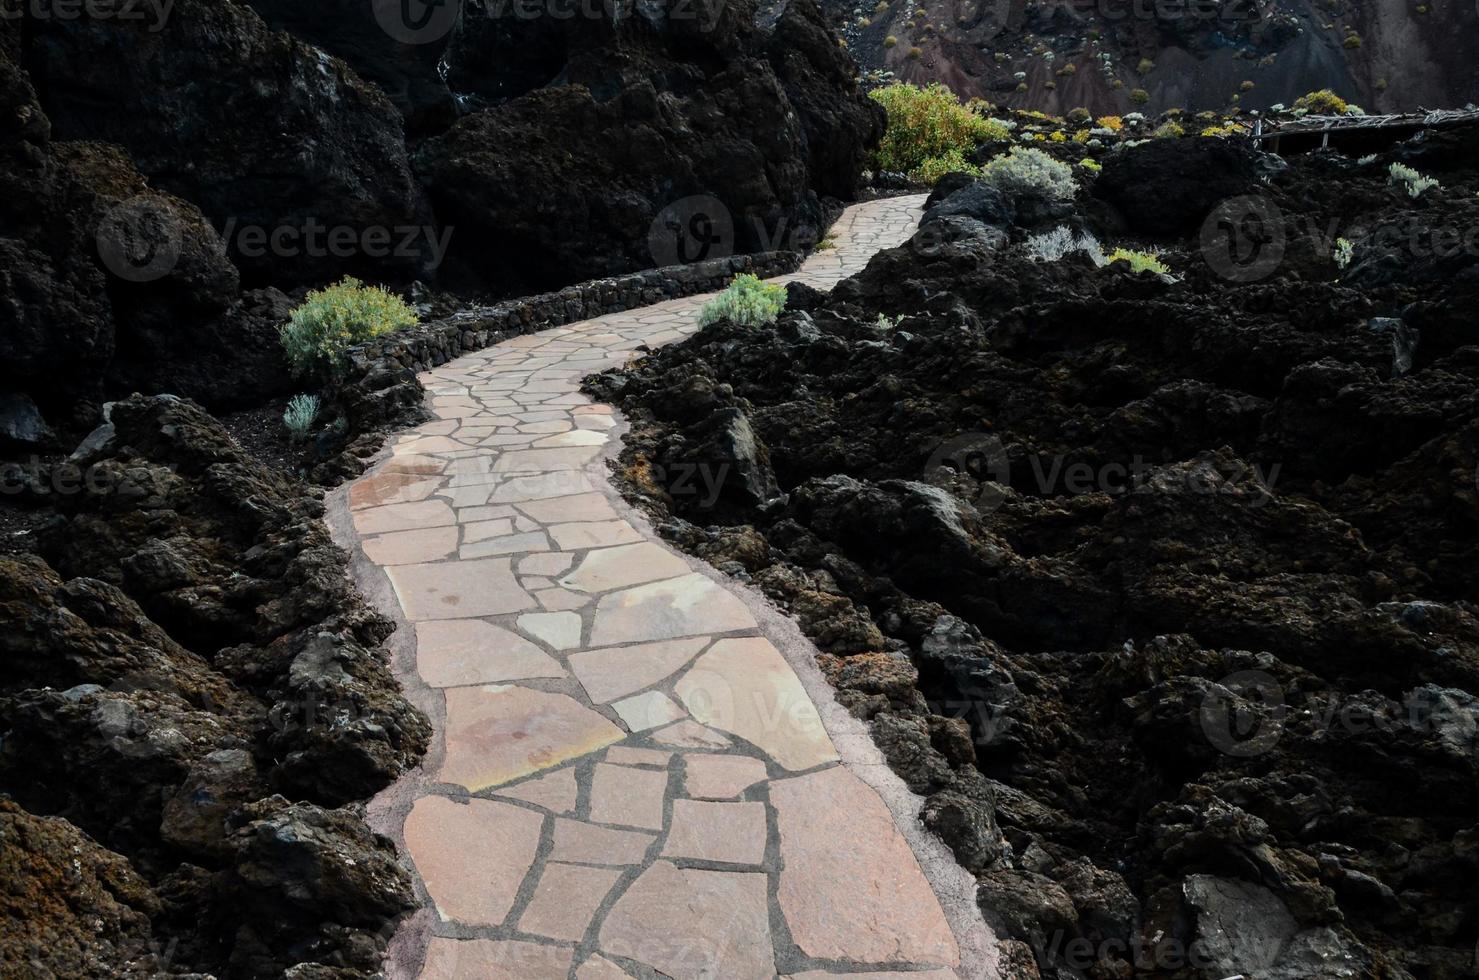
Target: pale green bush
x=1025, y=171
x=1139, y=261
x=748, y=301
x=301, y=411
x=1416, y=183
x=334, y=319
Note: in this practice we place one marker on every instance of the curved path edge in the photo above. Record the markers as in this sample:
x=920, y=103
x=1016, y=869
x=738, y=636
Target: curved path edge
x=638, y=769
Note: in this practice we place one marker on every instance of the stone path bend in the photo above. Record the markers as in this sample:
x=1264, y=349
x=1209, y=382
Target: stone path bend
x=637, y=769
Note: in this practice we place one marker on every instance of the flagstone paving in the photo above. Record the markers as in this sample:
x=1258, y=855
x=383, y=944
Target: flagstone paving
x=628, y=780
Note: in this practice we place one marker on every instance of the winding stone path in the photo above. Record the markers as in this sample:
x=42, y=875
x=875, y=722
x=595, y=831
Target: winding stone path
x=629, y=778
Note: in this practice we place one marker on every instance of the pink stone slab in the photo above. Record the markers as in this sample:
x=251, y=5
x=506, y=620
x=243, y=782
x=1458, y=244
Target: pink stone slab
x=403, y=517
x=458, y=590
x=587, y=844
x=498, y=734
x=614, y=673
x=745, y=687
x=628, y=797
x=731, y=833
x=624, y=566
x=683, y=606
x=566, y=899
x=556, y=792
x=846, y=902
x=719, y=777
x=458, y=652
x=495, y=959
x=411, y=547
x=472, y=856
x=694, y=925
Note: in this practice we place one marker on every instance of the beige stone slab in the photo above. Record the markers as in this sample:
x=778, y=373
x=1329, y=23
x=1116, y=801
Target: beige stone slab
x=404, y=517
x=545, y=460
x=458, y=652
x=683, y=606
x=513, y=544
x=745, y=687
x=564, y=510
x=472, y=856
x=728, y=833
x=885, y=975
x=458, y=590
x=566, y=899
x=497, y=734
x=557, y=599
x=483, y=530
x=585, y=843
x=593, y=534
x=557, y=792
x=552, y=563
x=708, y=776
x=859, y=904
x=690, y=735
x=649, y=710
x=600, y=968
x=625, y=755
x=543, y=486
x=411, y=547
x=427, y=446
x=616, y=672
x=579, y=437
x=392, y=487
x=560, y=630
x=628, y=797
x=624, y=566
x=694, y=925
x=495, y=959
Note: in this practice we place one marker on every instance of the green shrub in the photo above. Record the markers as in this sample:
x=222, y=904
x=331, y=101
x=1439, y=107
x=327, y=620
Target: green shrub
x=1169, y=129
x=1025, y=171
x=915, y=51
x=890, y=41
x=1078, y=116
x=747, y=302
x=928, y=124
x=952, y=162
x=334, y=319
x=1145, y=67
x=1322, y=103
x=1139, y=261
x=1139, y=96
x=300, y=413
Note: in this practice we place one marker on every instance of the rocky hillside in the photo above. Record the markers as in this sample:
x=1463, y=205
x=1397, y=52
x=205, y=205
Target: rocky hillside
x=170, y=175
x=1159, y=586
x=1115, y=56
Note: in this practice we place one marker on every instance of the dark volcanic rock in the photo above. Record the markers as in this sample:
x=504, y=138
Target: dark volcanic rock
x=193, y=647
x=1168, y=186
x=602, y=125
x=352, y=30
x=259, y=130
x=69, y=908
x=1182, y=570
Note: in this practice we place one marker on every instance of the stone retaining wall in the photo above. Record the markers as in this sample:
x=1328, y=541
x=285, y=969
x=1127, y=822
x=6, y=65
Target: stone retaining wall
x=379, y=390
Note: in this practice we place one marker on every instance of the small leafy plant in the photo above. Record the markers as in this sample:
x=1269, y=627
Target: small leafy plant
x=1139, y=261
x=300, y=413
x=334, y=319
x=1052, y=246
x=1416, y=183
x=1025, y=171
x=747, y=301
x=1344, y=252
